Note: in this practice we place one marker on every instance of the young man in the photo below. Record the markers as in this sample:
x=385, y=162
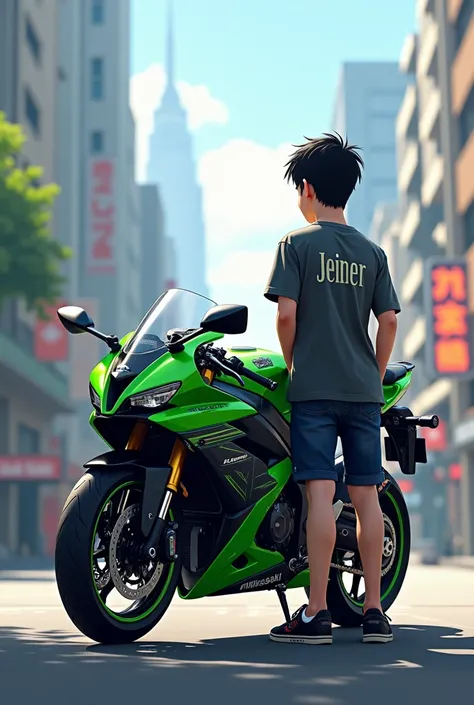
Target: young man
x=326, y=279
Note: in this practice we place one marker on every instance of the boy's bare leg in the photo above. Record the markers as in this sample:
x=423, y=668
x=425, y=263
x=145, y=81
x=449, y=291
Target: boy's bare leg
x=370, y=536
x=321, y=538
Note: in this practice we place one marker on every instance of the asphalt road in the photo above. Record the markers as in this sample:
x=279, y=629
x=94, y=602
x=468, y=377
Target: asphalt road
x=217, y=651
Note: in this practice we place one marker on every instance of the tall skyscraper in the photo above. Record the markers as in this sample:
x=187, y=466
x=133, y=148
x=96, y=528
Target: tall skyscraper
x=369, y=95
x=172, y=166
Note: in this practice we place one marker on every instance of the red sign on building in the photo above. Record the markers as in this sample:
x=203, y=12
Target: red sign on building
x=29, y=467
x=436, y=438
x=51, y=338
x=101, y=217
x=450, y=353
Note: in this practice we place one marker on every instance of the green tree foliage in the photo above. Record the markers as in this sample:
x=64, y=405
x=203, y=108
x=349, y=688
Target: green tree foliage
x=30, y=258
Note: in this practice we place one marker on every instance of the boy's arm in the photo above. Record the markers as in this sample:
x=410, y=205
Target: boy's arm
x=385, y=339
x=286, y=328
x=283, y=287
x=385, y=306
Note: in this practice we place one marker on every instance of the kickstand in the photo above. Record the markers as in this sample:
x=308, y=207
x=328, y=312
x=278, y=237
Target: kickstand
x=284, y=603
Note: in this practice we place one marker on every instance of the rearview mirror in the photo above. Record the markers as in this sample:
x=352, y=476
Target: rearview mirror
x=228, y=319
x=75, y=319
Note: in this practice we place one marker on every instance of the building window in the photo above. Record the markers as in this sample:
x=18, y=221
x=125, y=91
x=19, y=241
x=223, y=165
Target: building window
x=97, y=11
x=4, y=426
x=32, y=113
x=33, y=40
x=97, y=142
x=463, y=20
x=466, y=119
x=28, y=440
x=97, y=79
x=469, y=226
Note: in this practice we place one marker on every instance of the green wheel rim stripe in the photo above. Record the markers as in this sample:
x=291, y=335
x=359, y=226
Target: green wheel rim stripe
x=114, y=615
x=399, y=564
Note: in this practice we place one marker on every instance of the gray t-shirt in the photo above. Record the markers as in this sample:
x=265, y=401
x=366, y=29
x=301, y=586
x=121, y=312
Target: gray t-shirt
x=337, y=277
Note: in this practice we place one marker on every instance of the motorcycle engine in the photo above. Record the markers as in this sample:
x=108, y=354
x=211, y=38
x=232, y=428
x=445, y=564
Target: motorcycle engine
x=277, y=528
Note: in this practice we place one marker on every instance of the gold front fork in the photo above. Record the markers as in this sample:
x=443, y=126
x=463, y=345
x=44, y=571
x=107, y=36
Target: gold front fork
x=137, y=436
x=177, y=458
x=176, y=461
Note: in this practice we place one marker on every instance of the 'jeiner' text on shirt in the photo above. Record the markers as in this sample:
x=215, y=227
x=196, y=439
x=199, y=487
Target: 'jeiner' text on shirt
x=338, y=271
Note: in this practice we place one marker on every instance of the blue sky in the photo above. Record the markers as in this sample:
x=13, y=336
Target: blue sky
x=274, y=65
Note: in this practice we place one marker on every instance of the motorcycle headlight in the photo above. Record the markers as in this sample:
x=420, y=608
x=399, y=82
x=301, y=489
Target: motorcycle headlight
x=155, y=397
x=95, y=399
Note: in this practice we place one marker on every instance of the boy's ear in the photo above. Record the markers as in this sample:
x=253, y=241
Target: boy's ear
x=308, y=190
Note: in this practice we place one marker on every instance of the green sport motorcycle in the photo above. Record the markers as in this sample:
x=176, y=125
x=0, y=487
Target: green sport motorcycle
x=196, y=494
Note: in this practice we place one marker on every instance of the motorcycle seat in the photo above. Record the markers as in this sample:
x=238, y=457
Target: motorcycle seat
x=396, y=371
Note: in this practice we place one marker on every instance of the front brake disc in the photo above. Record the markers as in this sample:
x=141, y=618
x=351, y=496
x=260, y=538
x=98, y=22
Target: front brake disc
x=118, y=579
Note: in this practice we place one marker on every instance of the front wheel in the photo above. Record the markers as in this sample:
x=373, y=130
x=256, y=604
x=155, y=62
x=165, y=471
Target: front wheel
x=109, y=592
x=346, y=592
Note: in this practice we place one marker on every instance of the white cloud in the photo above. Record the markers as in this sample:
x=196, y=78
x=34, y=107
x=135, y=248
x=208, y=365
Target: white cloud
x=146, y=91
x=244, y=192
x=244, y=268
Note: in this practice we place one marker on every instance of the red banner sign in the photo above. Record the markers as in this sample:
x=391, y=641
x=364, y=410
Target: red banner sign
x=101, y=216
x=436, y=438
x=450, y=336
x=51, y=338
x=455, y=472
x=29, y=467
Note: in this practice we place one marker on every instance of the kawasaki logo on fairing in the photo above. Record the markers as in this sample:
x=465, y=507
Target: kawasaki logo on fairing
x=261, y=583
x=237, y=459
x=209, y=407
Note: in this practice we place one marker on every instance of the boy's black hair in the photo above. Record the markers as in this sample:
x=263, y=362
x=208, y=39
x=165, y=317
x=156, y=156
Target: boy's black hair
x=330, y=165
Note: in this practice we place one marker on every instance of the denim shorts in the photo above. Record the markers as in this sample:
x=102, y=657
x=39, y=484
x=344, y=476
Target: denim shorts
x=315, y=428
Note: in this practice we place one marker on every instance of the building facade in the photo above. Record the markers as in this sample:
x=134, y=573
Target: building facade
x=435, y=136
x=33, y=390
x=64, y=75
x=172, y=167
x=96, y=172
x=368, y=98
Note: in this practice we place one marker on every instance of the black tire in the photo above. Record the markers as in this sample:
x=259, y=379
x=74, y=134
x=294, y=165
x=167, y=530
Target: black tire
x=344, y=610
x=73, y=563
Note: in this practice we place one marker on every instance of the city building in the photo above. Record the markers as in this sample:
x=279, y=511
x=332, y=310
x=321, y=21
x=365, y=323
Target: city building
x=33, y=390
x=96, y=168
x=172, y=166
x=368, y=98
x=154, y=274
x=435, y=140
x=64, y=75
x=385, y=232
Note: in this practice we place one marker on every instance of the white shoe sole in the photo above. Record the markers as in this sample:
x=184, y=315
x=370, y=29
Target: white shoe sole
x=316, y=640
x=377, y=638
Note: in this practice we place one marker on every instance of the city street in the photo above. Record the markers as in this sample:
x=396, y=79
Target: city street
x=217, y=650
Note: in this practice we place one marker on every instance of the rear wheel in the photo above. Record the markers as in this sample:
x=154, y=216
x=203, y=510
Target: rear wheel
x=346, y=589
x=110, y=593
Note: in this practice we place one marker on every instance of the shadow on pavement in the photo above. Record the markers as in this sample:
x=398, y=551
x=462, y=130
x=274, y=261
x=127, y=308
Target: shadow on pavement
x=432, y=663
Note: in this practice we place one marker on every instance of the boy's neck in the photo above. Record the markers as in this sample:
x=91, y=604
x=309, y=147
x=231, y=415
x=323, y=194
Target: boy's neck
x=330, y=215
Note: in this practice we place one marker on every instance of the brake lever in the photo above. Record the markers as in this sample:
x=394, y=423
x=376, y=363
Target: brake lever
x=227, y=370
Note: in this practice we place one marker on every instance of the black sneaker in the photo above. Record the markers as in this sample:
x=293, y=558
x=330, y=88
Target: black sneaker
x=376, y=628
x=317, y=631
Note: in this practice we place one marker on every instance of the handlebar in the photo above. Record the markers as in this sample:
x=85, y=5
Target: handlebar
x=259, y=379
x=239, y=367
x=423, y=421
x=235, y=367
